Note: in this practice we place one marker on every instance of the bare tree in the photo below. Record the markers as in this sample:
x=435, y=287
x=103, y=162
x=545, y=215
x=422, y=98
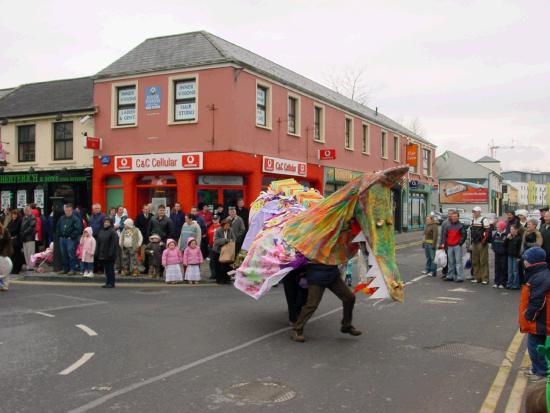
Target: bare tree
x=415, y=126
x=350, y=82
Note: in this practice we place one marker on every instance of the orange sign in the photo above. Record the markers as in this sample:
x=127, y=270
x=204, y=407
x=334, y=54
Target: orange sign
x=412, y=155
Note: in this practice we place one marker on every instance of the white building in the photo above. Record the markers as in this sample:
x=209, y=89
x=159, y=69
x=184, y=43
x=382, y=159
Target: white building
x=533, y=188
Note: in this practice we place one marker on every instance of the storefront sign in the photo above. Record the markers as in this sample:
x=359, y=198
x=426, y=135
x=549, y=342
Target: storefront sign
x=413, y=184
x=220, y=180
x=39, y=198
x=152, y=97
x=37, y=178
x=463, y=192
x=326, y=154
x=283, y=166
x=21, y=198
x=92, y=142
x=159, y=162
x=186, y=90
x=127, y=96
x=5, y=199
x=127, y=116
x=105, y=160
x=412, y=155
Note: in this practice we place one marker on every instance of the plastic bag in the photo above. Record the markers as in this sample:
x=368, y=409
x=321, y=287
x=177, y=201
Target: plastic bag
x=466, y=261
x=440, y=258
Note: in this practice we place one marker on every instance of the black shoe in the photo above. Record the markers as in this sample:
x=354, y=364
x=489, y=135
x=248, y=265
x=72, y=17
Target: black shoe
x=448, y=279
x=350, y=330
x=108, y=286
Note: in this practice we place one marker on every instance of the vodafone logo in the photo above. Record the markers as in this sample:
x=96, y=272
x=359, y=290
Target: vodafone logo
x=124, y=163
x=190, y=161
x=302, y=169
x=269, y=164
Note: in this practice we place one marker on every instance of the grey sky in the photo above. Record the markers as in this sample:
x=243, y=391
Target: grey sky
x=470, y=71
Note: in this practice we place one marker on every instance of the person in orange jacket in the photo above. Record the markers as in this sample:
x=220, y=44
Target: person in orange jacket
x=534, y=318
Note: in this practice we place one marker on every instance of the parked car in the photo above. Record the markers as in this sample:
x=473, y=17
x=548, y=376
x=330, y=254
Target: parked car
x=439, y=217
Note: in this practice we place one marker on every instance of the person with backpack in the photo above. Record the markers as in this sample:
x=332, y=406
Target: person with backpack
x=480, y=232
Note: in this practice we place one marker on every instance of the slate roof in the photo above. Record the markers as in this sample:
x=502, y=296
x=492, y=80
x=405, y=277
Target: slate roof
x=4, y=92
x=488, y=159
x=44, y=98
x=451, y=165
x=203, y=48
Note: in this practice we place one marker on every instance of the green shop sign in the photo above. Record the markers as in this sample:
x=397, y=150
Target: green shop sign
x=39, y=179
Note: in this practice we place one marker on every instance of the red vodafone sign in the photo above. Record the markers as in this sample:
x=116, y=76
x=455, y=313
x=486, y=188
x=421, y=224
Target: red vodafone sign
x=92, y=142
x=159, y=162
x=283, y=166
x=326, y=154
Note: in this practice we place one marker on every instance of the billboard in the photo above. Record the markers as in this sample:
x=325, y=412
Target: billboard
x=463, y=192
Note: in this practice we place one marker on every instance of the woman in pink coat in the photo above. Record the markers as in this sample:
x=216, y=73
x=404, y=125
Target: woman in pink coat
x=172, y=260
x=192, y=259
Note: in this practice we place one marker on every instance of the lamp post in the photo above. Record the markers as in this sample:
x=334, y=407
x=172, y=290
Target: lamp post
x=57, y=207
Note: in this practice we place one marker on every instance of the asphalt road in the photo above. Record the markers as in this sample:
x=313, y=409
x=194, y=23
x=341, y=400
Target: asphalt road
x=211, y=348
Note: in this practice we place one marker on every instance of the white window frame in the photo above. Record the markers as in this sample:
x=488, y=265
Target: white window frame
x=363, y=145
x=297, y=115
x=268, y=104
x=114, y=103
x=429, y=174
x=321, y=122
x=351, y=140
x=396, y=149
x=383, y=144
x=172, y=101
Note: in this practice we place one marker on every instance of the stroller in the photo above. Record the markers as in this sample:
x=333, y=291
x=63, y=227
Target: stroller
x=43, y=261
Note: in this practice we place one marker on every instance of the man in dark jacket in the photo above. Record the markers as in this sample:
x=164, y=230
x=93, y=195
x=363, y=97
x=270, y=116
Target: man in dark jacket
x=243, y=212
x=545, y=233
x=534, y=317
x=511, y=219
x=106, y=251
x=96, y=223
x=142, y=223
x=69, y=229
x=178, y=218
x=319, y=277
x=453, y=236
x=28, y=235
x=161, y=224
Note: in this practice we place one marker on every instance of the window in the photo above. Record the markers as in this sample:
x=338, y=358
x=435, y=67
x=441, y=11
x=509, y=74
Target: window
x=293, y=115
x=427, y=162
x=318, y=123
x=126, y=105
x=365, y=143
x=263, y=106
x=348, y=138
x=396, y=148
x=62, y=141
x=25, y=143
x=384, y=145
x=185, y=100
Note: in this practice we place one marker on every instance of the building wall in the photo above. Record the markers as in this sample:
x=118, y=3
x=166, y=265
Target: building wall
x=44, y=144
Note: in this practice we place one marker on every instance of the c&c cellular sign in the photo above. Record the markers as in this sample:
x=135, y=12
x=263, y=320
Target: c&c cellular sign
x=283, y=166
x=159, y=162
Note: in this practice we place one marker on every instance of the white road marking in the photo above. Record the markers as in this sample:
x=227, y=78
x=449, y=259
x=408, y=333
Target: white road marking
x=439, y=302
x=87, y=330
x=85, y=357
x=101, y=400
x=44, y=314
x=451, y=298
x=461, y=290
x=416, y=279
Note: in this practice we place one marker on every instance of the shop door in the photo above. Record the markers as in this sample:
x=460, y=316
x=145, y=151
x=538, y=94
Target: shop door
x=231, y=196
x=156, y=190
x=227, y=196
x=208, y=197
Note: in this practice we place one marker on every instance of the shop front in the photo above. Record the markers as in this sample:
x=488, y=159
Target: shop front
x=192, y=178
x=419, y=204
x=19, y=189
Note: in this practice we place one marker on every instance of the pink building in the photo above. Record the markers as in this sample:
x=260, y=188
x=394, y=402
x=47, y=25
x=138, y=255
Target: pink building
x=193, y=118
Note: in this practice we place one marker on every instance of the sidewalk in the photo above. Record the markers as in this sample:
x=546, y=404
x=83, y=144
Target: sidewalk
x=401, y=239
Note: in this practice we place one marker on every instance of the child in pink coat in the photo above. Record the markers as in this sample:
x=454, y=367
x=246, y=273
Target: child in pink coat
x=87, y=251
x=192, y=258
x=171, y=260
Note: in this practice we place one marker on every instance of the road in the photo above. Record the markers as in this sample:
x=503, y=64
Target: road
x=211, y=348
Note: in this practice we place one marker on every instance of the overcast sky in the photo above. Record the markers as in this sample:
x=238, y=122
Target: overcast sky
x=470, y=71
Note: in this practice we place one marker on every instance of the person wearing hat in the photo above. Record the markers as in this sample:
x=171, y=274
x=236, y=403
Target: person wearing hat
x=106, y=251
x=522, y=216
x=210, y=233
x=533, y=310
x=130, y=241
x=222, y=236
x=479, y=233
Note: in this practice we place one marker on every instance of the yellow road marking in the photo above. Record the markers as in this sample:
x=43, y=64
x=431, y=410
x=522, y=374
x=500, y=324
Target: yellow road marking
x=408, y=244
x=491, y=401
x=516, y=396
